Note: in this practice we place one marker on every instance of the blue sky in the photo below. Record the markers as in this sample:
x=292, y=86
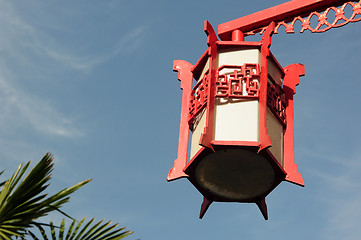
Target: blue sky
x=92, y=83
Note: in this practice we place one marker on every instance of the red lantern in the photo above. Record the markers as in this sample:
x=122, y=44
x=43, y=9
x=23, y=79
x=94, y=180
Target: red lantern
x=240, y=114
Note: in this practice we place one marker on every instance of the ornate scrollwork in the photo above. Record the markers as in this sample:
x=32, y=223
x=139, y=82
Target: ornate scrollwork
x=323, y=24
x=238, y=81
x=198, y=97
x=276, y=101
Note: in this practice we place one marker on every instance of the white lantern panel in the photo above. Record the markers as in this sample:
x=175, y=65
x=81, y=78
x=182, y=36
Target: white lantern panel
x=198, y=129
x=275, y=71
x=236, y=56
x=236, y=120
x=275, y=131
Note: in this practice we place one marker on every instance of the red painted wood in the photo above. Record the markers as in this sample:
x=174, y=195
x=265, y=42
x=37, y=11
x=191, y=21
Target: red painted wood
x=207, y=135
x=264, y=138
x=185, y=75
x=291, y=80
x=281, y=12
x=236, y=143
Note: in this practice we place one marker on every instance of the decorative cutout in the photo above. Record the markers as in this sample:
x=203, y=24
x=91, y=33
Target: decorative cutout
x=198, y=97
x=237, y=81
x=323, y=25
x=276, y=101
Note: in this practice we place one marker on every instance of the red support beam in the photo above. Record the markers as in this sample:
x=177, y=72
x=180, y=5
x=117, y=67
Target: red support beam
x=283, y=12
x=185, y=75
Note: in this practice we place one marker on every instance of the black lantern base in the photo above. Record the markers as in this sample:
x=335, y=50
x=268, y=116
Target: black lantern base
x=235, y=174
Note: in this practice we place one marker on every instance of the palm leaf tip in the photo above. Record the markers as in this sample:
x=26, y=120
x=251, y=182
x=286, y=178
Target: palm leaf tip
x=23, y=199
x=84, y=230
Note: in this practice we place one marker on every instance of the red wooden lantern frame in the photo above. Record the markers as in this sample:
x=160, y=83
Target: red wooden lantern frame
x=276, y=98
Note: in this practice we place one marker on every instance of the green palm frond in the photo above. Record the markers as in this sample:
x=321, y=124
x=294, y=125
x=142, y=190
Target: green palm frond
x=23, y=201
x=83, y=231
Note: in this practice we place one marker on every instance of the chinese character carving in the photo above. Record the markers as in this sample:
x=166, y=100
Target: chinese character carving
x=238, y=81
x=276, y=101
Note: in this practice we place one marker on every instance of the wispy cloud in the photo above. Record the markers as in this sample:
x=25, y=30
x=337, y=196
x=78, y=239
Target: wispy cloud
x=344, y=219
x=22, y=108
x=338, y=193
x=19, y=38
x=27, y=50
x=126, y=44
x=130, y=41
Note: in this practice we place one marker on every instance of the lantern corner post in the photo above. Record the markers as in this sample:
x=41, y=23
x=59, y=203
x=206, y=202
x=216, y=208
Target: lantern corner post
x=293, y=73
x=212, y=39
x=264, y=138
x=185, y=76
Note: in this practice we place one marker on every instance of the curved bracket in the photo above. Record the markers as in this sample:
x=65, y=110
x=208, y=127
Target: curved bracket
x=291, y=80
x=185, y=75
